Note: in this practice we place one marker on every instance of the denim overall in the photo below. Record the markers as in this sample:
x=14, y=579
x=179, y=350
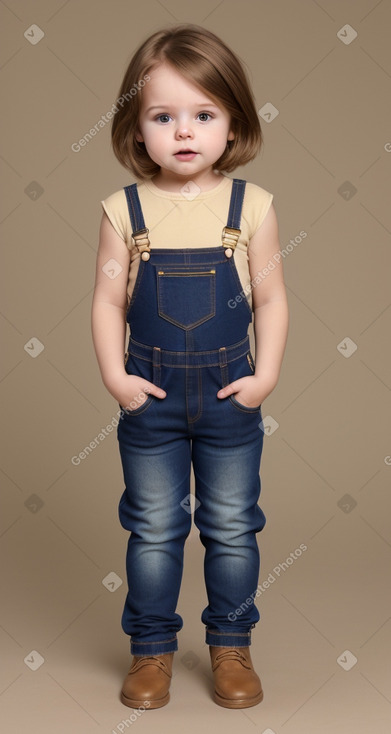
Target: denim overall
x=188, y=340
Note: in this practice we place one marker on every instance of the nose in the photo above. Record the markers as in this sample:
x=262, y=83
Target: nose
x=183, y=130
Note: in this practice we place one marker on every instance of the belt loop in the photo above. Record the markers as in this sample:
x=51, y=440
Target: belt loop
x=223, y=366
x=222, y=356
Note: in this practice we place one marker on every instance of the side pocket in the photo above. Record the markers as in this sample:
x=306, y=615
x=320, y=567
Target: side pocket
x=243, y=408
x=140, y=409
x=141, y=368
x=242, y=367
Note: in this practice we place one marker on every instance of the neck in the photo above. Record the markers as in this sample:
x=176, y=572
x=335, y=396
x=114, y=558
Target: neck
x=174, y=184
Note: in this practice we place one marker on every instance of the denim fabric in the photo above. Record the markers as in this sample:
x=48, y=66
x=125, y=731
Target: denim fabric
x=185, y=338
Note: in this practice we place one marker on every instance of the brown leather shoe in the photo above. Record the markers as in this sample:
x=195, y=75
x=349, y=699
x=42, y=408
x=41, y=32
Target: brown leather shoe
x=237, y=685
x=149, y=680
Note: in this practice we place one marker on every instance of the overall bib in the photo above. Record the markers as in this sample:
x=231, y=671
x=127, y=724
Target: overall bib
x=186, y=337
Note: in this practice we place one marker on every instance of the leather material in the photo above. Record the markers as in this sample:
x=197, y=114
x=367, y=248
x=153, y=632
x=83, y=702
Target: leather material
x=148, y=681
x=237, y=685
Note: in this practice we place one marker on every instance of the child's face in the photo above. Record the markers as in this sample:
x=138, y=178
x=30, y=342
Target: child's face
x=182, y=118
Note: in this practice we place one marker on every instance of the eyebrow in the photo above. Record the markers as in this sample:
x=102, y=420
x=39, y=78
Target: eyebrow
x=162, y=106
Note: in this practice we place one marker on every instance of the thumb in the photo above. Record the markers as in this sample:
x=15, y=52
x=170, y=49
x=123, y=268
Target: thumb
x=228, y=390
x=152, y=389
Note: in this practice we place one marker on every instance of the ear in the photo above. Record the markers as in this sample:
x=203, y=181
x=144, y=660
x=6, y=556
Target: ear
x=138, y=136
x=231, y=135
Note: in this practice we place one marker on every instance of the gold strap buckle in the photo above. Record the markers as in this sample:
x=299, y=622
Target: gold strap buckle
x=230, y=237
x=142, y=242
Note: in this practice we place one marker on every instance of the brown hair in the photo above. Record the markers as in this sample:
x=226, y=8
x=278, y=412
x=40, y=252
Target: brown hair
x=205, y=60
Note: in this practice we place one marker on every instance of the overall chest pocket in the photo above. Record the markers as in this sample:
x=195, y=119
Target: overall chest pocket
x=186, y=295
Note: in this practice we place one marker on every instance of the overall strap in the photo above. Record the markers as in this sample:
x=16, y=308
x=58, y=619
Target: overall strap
x=139, y=230
x=231, y=231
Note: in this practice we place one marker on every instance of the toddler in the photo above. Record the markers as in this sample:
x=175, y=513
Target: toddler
x=184, y=259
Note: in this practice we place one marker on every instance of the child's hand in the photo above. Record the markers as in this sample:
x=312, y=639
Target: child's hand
x=131, y=391
x=251, y=391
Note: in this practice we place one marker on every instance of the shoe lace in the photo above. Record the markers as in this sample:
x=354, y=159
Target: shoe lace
x=149, y=660
x=232, y=654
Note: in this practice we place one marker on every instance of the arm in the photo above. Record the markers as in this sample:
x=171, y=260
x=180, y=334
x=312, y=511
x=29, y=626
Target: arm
x=270, y=315
x=270, y=303
x=108, y=321
x=109, y=304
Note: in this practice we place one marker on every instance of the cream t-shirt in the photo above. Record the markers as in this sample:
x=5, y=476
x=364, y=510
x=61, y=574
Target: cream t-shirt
x=192, y=219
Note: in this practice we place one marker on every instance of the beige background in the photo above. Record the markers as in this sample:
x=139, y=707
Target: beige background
x=325, y=469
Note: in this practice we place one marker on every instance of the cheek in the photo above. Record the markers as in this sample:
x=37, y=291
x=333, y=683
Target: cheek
x=154, y=138
x=149, y=138
x=154, y=143
x=219, y=141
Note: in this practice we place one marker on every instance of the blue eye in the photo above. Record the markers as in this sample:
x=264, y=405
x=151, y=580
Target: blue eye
x=165, y=117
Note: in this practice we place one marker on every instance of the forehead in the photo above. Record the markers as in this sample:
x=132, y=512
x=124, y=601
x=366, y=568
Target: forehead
x=166, y=84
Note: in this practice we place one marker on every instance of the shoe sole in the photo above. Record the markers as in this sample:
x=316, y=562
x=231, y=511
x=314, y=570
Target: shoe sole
x=240, y=703
x=153, y=704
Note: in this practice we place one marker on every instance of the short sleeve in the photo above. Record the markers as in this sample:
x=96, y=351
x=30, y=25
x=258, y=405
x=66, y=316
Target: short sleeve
x=115, y=207
x=259, y=202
